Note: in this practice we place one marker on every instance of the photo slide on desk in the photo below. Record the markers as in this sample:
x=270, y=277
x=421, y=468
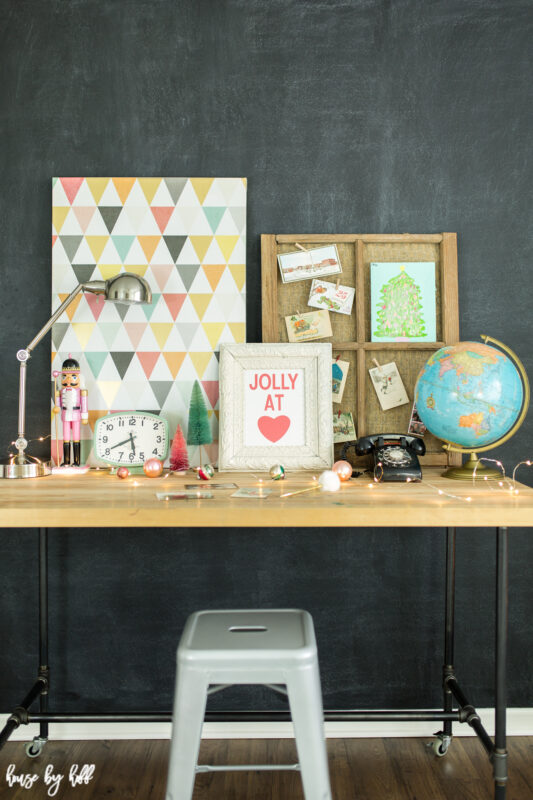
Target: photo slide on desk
x=187, y=238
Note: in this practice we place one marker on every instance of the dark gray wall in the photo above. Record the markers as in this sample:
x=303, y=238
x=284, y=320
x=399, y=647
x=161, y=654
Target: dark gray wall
x=365, y=116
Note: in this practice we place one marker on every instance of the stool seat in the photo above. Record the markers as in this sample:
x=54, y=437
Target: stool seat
x=272, y=647
x=249, y=637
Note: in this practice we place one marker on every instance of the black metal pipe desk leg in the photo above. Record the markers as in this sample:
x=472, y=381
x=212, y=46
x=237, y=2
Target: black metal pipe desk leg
x=448, y=668
x=44, y=668
x=500, y=733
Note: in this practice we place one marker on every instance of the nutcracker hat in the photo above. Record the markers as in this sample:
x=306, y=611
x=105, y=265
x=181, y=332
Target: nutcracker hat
x=70, y=365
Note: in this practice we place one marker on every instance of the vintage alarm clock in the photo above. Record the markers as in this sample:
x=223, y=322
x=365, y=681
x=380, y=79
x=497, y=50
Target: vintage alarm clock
x=130, y=438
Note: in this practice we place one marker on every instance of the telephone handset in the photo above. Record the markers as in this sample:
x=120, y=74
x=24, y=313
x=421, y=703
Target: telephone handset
x=395, y=455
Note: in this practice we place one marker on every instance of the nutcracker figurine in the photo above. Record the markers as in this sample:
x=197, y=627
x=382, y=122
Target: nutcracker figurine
x=73, y=406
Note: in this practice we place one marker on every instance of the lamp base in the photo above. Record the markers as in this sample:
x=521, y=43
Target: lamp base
x=466, y=472
x=24, y=467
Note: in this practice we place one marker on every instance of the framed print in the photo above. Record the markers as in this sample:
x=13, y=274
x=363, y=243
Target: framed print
x=275, y=406
x=308, y=326
x=306, y=264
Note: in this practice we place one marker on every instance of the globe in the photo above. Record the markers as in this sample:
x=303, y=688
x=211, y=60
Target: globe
x=472, y=395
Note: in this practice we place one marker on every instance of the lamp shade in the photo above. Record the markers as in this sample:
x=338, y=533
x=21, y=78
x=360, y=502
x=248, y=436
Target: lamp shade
x=128, y=288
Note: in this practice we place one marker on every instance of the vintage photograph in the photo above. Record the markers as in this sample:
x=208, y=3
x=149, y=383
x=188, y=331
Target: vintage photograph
x=339, y=373
x=343, y=427
x=312, y=263
x=308, y=326
x=325, y=294
x=389, y=386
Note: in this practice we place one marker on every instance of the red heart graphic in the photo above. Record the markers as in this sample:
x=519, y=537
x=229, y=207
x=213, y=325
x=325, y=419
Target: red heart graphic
x=273, y=428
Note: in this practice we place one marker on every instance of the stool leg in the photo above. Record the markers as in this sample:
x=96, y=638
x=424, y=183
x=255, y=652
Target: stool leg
x=190, y=700
x=305, y=700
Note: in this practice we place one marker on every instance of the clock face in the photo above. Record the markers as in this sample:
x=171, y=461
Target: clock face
x=130, y=438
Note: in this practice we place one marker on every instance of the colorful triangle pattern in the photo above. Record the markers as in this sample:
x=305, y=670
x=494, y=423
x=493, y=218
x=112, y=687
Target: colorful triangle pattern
x=187, y=238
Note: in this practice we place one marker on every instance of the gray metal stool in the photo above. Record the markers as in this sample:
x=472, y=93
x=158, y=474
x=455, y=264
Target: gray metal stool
x=222, y=648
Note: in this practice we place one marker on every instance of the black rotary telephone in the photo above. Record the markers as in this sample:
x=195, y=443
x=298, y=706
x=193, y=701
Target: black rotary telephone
x=395, y=455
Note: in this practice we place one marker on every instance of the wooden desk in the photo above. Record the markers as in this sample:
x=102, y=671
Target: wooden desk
x=100, y=500
x=104, y=501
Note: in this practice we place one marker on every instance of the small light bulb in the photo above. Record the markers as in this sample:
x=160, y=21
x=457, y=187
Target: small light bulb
x=440, y=491
x=468, y=499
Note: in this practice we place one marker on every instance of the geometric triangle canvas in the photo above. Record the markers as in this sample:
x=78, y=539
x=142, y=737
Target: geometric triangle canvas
x=186, y=237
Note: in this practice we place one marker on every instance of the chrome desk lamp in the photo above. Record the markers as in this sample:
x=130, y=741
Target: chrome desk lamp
x=123, y=288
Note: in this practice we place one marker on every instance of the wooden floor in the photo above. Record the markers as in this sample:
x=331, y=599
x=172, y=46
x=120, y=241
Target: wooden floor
x=362, y=769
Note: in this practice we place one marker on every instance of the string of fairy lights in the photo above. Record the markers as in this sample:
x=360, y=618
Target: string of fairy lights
x=504, y=483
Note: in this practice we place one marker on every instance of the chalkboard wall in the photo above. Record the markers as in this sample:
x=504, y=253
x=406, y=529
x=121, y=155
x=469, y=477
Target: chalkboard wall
x=363, y=116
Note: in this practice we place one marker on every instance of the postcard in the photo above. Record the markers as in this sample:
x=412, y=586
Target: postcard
x=212, y=486
x=328, y=295
x=403, y=302
x=389, y=386
x=309, y=263
x=252, y=492
x=343, y=427
x=416, y=426
x=198, y=495
x=308, y=326
x=339, y=372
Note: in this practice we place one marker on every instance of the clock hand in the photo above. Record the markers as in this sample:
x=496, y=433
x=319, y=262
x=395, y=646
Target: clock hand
x=126, y=441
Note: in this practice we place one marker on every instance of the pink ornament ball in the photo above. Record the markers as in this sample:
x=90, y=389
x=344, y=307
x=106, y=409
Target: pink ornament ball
x=153, y=467
x=123, y=472
x=343, y=470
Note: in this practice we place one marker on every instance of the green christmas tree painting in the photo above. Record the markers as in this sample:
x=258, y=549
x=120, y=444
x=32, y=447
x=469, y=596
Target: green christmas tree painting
x=199, y=428
x=399, y=307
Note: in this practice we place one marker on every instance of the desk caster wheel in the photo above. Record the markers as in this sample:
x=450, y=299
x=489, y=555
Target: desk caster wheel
x=441, y=744
x=35, y=747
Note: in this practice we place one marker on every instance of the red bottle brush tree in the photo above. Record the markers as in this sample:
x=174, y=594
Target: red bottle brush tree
x=179, y=457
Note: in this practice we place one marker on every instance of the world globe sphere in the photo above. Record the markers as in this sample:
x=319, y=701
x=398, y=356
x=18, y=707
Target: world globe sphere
x=469, y=394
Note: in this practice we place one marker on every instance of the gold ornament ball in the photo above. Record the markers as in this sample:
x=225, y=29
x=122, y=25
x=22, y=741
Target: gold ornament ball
x=343, y=470
x=153, y=467
x=205, y=472
x=277, y=472
x=123, y=472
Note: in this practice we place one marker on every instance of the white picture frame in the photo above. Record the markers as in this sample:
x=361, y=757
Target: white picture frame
x=261, y=387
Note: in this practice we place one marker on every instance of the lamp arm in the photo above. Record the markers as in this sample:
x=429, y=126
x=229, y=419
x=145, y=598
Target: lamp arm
x=97, y=287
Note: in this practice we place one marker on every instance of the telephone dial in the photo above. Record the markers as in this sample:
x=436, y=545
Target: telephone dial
x=395, y=455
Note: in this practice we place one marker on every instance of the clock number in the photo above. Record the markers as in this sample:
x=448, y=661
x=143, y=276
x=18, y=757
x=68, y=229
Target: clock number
x=105, y=439
x=121, y=423
x=131, y=456
x=107, y=451
x=155, y=452
x=121, y=453
x=133, y=421
x=109, y=427
x=158, y=439
x=141, y=456
x=156, y=426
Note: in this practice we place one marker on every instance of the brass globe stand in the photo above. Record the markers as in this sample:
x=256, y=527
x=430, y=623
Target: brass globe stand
x=473, y=465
